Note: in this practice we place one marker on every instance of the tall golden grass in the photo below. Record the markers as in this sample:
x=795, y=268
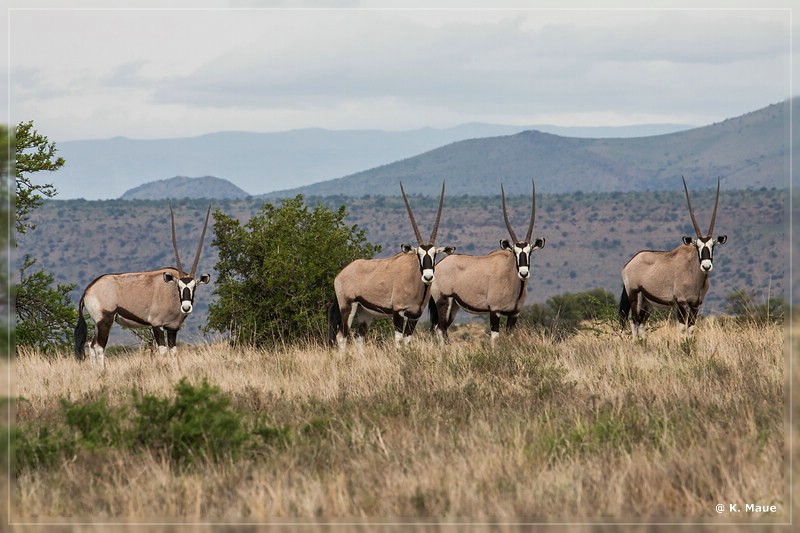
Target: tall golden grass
x=594, y=428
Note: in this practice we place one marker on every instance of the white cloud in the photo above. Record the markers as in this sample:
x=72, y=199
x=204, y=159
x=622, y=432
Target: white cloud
x=159, y=73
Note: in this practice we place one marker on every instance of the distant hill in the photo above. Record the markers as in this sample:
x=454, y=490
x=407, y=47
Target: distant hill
x=183, y=187
x=266, y=162
x=749, y=151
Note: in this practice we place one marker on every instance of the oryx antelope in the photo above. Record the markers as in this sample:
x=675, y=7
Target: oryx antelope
x=496, y=283
x=160, y=299
x=676, y=278
x=397, y=287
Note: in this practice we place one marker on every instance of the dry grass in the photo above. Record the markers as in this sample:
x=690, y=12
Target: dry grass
x=594, y=428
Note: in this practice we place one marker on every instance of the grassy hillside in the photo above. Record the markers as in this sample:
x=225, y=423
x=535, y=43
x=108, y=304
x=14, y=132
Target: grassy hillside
x=589, y=236
x=594, y=428
x=750, y=151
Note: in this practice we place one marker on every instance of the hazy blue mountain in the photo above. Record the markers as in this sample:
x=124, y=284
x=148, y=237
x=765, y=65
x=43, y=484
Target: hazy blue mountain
x=749, y=151
x=265, y=162
x=184, y=187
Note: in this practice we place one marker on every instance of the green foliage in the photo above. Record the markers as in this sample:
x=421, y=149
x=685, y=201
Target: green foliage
x=561, y=316
x=98, y=424
x=33, y=153
x=45, y=315
x=742, y=305
x=5, y=289
x=197, y=423
x=275, y=273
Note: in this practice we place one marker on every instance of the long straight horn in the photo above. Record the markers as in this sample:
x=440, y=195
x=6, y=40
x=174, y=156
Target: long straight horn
x=200, y=246
x=714, y=214
x=505, y=215
x=175, y=242
x=691, y=211
x=438, y=216
x=533, y=214
x=411, y=215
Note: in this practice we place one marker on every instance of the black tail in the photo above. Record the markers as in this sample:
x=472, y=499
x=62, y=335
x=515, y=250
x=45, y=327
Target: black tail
x=334, y=322
x=433, y=311
x=624, y=308
x=80, y=333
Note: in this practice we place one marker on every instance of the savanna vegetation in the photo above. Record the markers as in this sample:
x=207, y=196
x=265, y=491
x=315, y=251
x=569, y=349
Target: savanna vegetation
x=583, y=428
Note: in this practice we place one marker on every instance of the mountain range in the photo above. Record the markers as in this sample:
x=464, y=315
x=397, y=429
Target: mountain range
x=184, y=187
x=261, y=163
x=750, y=151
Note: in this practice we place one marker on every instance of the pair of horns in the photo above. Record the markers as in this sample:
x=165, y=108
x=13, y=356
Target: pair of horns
x=533, y=215
x=432, y=240
x=199, y=247
x=691, y=211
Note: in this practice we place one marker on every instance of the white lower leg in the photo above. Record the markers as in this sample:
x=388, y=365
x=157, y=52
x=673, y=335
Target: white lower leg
x=101, y=357
x=341, y=341
x=494, y=336
x=398, y=336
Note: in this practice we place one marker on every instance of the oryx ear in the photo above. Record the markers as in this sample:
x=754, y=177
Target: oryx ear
x=445, y=250
x=407, y=249
x=721, y=239
x=168, y=278
x=205, y=278
x=687, y=240
x=505, y=245
x=538, y=244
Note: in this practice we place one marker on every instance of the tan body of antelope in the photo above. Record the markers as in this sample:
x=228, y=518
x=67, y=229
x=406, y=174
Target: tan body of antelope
x=159, y=299
x=677, y=278
x=396, y=287
x=496, y=284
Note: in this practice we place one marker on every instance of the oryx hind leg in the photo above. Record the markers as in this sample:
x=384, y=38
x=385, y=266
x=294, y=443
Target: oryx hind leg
x=447, y=309
x=348, y=313
x=360, y=332
x=97, y=348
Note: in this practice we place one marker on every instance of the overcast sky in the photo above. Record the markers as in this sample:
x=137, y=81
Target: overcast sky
x=153, y=73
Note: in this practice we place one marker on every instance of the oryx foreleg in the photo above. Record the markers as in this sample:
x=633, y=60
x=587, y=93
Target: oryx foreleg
x=172, y=343
x=399, y=322
x=494, y=325
x=161, y=342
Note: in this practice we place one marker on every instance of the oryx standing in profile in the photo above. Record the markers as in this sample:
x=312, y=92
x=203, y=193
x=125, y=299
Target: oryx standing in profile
x=496, y=283
x=677, y=278
x=160, y=299
x=396, y=287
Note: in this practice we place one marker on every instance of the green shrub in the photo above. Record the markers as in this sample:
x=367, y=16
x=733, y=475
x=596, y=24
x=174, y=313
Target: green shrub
x=276, y=272
x=98, y=425
x=197, y=423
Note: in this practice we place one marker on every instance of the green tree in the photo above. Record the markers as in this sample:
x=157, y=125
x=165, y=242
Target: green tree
x=45, y=314
x=275, y=273
x=34, y=153
x=5, y=225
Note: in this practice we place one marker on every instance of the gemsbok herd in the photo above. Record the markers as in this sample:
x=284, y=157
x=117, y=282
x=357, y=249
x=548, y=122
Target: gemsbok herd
x=402, y=286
